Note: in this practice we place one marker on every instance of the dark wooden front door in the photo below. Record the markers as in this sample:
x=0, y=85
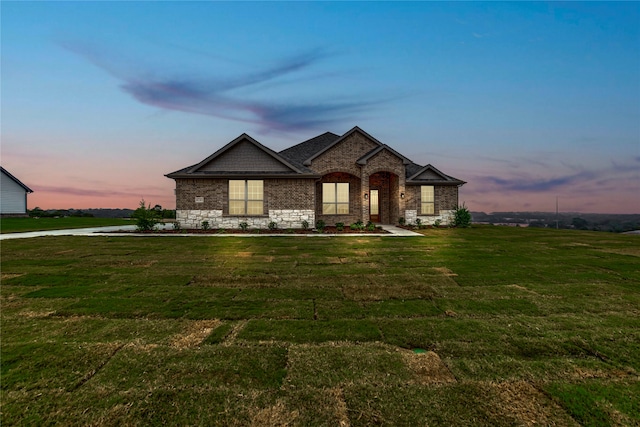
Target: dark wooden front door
x=374, y=206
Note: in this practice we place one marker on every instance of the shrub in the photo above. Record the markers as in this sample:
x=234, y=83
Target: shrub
x=401, y=220
x=437, y=222
x=273, y=225
x=462, y=217
x=305, y=225
x=340, y=226
x=371, y=226
x=243, y=226
x=357, y=226
x=176, y=226
x=146, y=217
x=418, y=222
x=320, y=224
x=205, y=225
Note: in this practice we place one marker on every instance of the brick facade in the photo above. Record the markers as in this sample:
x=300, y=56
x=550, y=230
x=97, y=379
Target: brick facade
x=445, y=198
x=354, y=158
x=342, y=157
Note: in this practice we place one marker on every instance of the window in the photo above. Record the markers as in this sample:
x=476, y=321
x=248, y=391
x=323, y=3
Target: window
x=335, y=198
x=246, y=197
x=427, y=201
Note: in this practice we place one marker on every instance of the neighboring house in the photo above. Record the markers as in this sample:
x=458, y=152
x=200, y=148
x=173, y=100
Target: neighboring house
x=13, y=195
x=348, y=178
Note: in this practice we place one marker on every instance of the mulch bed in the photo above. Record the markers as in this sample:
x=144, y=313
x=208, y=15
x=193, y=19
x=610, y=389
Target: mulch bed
x=327, y=230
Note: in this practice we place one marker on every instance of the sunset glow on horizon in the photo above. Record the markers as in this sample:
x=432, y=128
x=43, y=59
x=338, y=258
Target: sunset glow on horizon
x=527, y=102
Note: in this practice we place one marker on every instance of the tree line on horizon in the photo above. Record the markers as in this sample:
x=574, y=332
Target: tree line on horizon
x=96, y=213
x=616, y=223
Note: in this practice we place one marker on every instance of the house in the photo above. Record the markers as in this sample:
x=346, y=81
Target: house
x=13, y=195
x=333, y=178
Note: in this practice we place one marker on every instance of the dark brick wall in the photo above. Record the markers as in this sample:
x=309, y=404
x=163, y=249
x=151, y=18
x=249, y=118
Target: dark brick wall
x=342, y=157
x=289, y=193
x=446, y=198
x=278, y=194
x=213, y=190
x=355, y=201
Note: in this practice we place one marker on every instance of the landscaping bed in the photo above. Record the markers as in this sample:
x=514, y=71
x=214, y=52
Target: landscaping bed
x=326, y=230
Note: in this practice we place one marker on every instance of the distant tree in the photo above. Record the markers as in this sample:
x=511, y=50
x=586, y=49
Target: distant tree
x=36, y=212
x=580, y=223
x=537, y=224
x=169, y=213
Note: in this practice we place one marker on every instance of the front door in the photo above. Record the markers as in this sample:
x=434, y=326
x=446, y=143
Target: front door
x=374, y=206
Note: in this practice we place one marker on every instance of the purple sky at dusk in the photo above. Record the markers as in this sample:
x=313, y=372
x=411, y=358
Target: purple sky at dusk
x=525, y=101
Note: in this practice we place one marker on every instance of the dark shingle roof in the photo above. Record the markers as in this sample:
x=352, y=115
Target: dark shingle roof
x=301, y=152
x=262, y=161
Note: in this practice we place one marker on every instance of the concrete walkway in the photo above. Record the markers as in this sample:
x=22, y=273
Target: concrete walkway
x=113, y=232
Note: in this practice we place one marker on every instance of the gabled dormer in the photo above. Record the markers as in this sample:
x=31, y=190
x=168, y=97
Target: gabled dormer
x=244, y=155
x=430, y=175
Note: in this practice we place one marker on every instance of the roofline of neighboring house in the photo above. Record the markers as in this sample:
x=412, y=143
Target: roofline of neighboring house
x=17, y=181
x=337, y=141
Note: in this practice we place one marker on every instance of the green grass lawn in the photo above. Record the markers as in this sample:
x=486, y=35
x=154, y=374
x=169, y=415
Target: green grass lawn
x=19, y=225
x=483, y=326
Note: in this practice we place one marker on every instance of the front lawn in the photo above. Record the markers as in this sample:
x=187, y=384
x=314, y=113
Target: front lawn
x=482, y=326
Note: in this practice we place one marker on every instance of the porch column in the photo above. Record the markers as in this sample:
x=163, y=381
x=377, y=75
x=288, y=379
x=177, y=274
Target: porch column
x=364, y=185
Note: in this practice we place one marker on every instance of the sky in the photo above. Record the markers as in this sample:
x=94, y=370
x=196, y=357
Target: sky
x=526, y=102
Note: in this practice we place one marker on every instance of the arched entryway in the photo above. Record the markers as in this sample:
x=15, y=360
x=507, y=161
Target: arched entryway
x=384, y=204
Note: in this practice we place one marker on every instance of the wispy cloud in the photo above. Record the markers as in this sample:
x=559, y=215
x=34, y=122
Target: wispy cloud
x=75, y=191
x=217, y=96
x=535, y=185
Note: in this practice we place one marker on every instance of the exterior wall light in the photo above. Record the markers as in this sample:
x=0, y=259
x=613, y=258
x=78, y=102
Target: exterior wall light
x=366, y=196
x=402, y=195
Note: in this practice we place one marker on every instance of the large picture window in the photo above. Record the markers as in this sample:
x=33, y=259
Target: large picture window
x=427, y=200
x=335, y=198
x=246, y=197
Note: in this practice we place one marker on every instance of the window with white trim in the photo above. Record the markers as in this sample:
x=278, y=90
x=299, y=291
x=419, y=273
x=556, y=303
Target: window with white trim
x=335, y=198
x=427, y=200
x=246, y=197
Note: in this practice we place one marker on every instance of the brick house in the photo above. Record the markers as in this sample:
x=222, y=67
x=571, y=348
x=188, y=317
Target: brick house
x=330, y=177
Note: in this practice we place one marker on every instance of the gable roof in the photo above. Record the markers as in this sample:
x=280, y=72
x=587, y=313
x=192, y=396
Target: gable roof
x=242, y=156
x=355, y=129
x=429, y=174
x=363, y=160
x=246, y=157
x=16, y=180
